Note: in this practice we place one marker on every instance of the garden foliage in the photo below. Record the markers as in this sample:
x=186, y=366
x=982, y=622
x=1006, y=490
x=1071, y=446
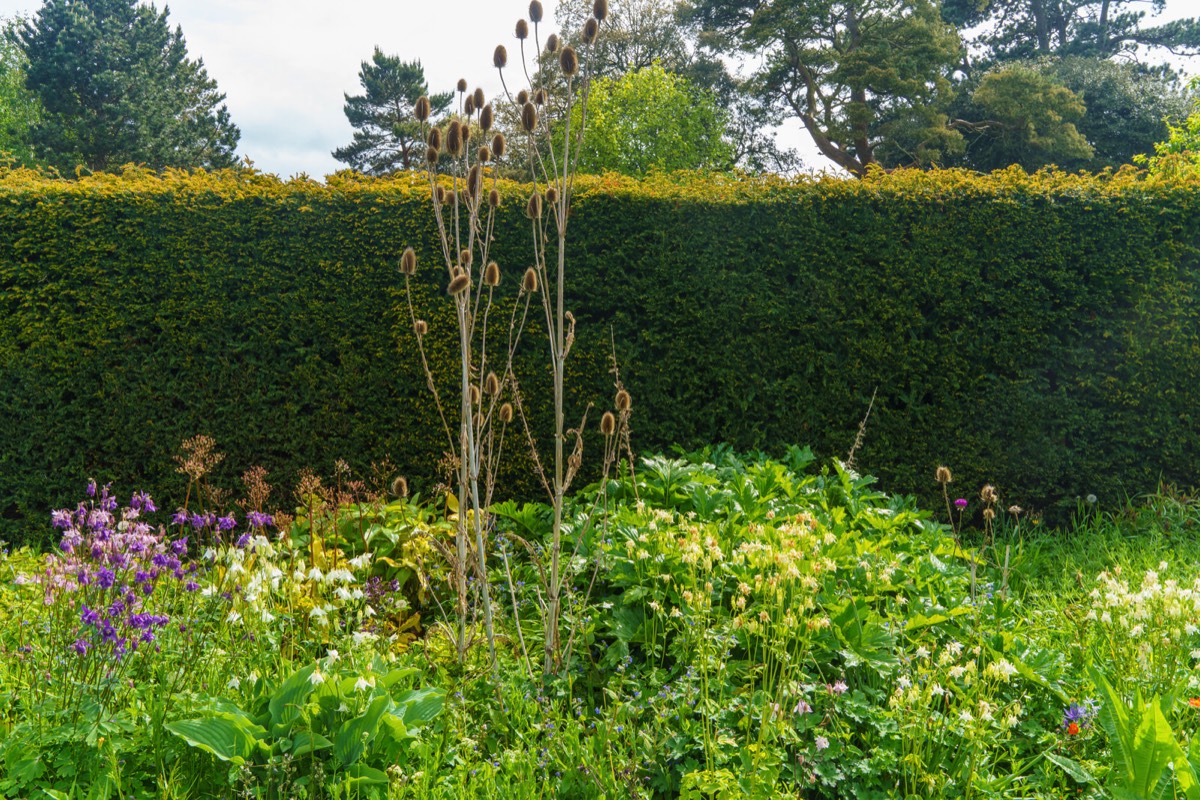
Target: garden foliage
x=1035, y=331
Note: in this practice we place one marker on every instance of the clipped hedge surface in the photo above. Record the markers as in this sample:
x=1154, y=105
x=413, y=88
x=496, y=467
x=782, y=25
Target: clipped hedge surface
x=1037, y=332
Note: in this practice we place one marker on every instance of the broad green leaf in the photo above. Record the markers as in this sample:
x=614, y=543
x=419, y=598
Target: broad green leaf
x=289, y=698
x=307, y=742
x=421, y=705
x=226, y=737
x=1114, y=719
x=395, y=675
x=1072, y=768
x=1154, y=749
x=351, y=740
x=362, y=775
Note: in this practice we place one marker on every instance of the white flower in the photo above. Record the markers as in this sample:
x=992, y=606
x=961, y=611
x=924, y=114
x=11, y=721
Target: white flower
x=957, y=671
x=267, y=616
x=234, y=683
x=965, y=716
x=922, y=652
x=368, y=611
x=317, y=613
x=315, y=574
x=208, y=591
x=936, y=690
x=316, y=677
x=340, y=575
x=342, y=593
x=363, y=637
x=821, y=742
x=362, y=684
x=209, y=554
x=361, y=562
x=233, y=618
x=331, y=657
x=357, y=594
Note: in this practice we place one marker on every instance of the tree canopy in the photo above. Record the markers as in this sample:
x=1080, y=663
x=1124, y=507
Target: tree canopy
x=19, y=108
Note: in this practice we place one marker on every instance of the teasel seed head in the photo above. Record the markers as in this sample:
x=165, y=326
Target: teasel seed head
x=491, y=274
x=486, y=118
x=474, y=395
x=989, y=514
x=420, y=327
x=499, y=145
x=494, y=198
x=522, y=97
x=533, y=209
x=465, y=258
x=539, y=97
x=529, y=284
x=431, y=155
x=600, y=9
x=400, y=487
x=454, y=139
x=422, y=108
x=552, y=43
x=506, y=413
x=469, y=105
x=529, y=118
x=535, y=12
x=591, y=29
x=608, y=424
x=522, y=30
x=459, y=284
x=551, y=195
x=480, y=100
x=465, y=130
x=943, y=476
x=569, y=61
x=623, y=401
x=491, y=384
x=484, y=154
x=441, y=195
x=435, y=138
x=500, y=57
x=475, y=180
x=408, y=261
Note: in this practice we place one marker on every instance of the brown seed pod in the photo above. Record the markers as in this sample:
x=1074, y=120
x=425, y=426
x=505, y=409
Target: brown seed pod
x=535, y=12
x=465, y=258
x=474, y=395
x=431, y=156
x=506, y=413
x=465, y=130
x=943, y=476
x=494, y=198
x=400, y=487
x=499, y=145
x=529, y=283
x=435, y=138
x=484, y=155
x=422, y=109
x=591, y=29
x=486, y=118
x=491, y=274
x=408, y=261
x=454, y=139
x=522, y=30
x=420, y=327
x=480, y=100
x=551, y=195
x=441, y=195
x=608, y=424
x=462, y=84
x=459, y=284
x=522, y=97
x=539, y=97
x=533, y=209
x=552, y=43
x=475, y=180
x=491, y=384
x=469, y=105
x=623, y=401
x=500, y=57
x=529, y=118
x=569, y=61
x=600, y=9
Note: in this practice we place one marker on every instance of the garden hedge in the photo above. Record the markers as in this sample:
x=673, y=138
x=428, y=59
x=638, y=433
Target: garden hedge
x=1039, y=332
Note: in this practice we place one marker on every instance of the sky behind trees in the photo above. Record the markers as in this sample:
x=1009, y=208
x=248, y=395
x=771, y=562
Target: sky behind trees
x=284, y=65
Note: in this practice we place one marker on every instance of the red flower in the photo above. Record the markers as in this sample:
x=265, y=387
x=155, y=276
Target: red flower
x=1073, y=729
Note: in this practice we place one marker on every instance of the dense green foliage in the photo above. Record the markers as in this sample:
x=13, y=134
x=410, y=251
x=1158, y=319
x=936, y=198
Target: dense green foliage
x=117, y=86
x=1039, y=331
x=19, y=109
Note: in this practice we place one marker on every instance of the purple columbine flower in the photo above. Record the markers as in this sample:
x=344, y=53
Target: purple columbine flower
x=257, y=519
x=91, y=489
x=142, y=502
x=61, y=518
x=80, y=647
x=179, y=546
x=226, y=523
x=105, y=578
x=242, y=540
x=180, y=517
x=191, y=586
x=89, y=616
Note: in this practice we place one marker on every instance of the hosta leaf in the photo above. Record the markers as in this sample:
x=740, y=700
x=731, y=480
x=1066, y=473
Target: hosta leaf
x=226, y=737
x=289, y=698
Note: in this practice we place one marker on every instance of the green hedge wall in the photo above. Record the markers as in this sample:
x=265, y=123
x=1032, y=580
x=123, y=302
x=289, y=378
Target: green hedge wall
x=1039, y=332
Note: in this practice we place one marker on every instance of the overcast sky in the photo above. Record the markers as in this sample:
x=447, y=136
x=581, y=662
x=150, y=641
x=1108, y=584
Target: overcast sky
x=286, y=64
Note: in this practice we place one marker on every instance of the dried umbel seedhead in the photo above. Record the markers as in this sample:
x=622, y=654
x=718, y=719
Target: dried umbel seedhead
x=522, y=30
x=475, y=180
x=535, y=12
x=529, y=118
x=539, y=97
x=552, y=43
x=483, y=154
x=943, y=476
x=469, y=105
x=591, y=29
x=422, y=109
x=494, y=198
x=522, y=97
x=500, y=57
x=474, y=395
x=454, y=138
x=491, y=274
x=569, y=61
x=465, y=257
x=600, y=9
x=435, y=138
x=529, y=283
x=623, y=401
x=988, y=494
x=459, y=284
x=499, y=145
x=420, y=327
x=551, y=195
x=486, y=118
x=491, y=384
x=533, y=209
x=506, y=413
x=608, y=424
x=400, y=487
x=480, y=100
x=462, y=84
x=408, y=261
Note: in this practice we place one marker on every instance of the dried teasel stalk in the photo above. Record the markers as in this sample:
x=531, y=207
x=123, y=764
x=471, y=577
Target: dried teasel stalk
x=408, y=262
x=529, y=283
x=491, y=274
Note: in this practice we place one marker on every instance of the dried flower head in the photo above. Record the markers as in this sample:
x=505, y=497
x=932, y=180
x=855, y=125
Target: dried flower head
x=533, y=209
x=499, y=145
x=608, y=424
x=522, y=97
x=989, y=514
x=522, y=30
x=539, y=97
x=529, y=118
x=483, y=154
x=487, y=118
x=462, y=84
x=422, y=109
x=535, y=12
x=500, y=57
x=408, y=261
x=465, y=257
x=1015, y=510
x=454, y=138
x=529, y=283
x=431, y=155
x=400, y=486
x=479, y=98
x=943, y=476
x=491, y=274
x=440, y=194
x=600, y=9
x=200, y=457
x=494, y=198
x=552, y=43
x=988, y=494
x=465, y=130
x=459, y=284
x=435, y=138
x=421, y=327
x=569, y=61
x=623, y=401
x=551, y=195
x=491, y=384
x=474, y=395
x=469, y=105
x=591, y=29
x=475, y=179
x=506, y=413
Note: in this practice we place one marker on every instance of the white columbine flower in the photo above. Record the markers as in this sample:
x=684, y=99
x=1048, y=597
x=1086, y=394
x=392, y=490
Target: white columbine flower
x=233, y=618
x=315, y=574
x=316, y=677
x=234, y=683
x=362, y=684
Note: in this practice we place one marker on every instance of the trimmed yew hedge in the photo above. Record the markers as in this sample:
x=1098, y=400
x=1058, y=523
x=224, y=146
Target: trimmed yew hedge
x=1037, y=332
